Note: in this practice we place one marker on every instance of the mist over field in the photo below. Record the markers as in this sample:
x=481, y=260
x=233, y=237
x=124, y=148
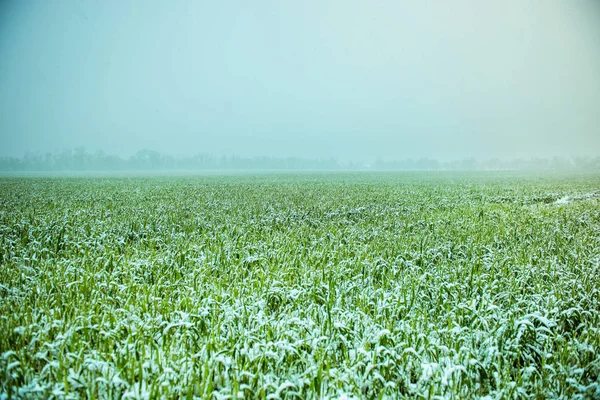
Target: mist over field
x=350, y=80
x=280, y=199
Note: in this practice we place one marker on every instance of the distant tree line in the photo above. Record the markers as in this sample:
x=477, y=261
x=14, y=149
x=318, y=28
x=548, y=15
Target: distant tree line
x=493, y=164
x=79, y=159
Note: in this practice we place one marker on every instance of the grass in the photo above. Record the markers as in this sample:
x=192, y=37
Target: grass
x=363, y=285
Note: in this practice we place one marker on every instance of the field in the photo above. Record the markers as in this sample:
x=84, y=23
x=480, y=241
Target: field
x=361, y=285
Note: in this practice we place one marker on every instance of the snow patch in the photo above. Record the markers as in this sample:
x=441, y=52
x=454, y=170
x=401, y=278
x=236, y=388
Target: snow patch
x=563, y=200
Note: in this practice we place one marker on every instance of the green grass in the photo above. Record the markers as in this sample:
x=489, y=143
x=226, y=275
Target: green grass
x=364, y=285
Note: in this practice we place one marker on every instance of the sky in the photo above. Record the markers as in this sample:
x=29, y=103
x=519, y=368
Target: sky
x=346, y=79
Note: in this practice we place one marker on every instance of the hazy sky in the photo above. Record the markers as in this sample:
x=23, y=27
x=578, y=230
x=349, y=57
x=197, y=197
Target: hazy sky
x=348, y=79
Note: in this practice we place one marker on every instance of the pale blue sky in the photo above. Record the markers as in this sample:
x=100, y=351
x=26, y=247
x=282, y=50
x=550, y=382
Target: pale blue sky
x=346, y=79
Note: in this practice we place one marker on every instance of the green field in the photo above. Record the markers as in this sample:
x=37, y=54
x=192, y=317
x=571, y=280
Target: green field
x=361, y=285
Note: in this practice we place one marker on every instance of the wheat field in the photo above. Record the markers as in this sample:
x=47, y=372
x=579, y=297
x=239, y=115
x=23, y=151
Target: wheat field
x=300, y=285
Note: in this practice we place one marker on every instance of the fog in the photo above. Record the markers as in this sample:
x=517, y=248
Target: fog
x=343, y=79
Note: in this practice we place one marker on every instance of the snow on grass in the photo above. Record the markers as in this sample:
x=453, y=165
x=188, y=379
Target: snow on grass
x=300, y=286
